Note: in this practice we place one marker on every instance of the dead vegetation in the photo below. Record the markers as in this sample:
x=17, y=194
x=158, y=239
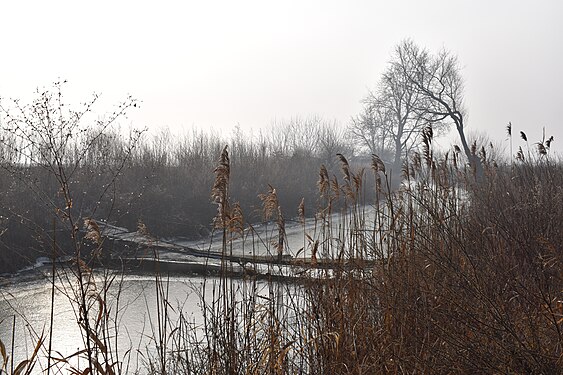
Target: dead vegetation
x=453, y=273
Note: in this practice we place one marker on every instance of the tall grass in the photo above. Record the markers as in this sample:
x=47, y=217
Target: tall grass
x=451, y=273
x=470, y=280
x=447, y=275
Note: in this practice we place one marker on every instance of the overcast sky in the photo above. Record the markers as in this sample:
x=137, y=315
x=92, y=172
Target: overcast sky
x=219, y=63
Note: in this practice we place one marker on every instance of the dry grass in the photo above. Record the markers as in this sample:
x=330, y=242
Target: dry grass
x=471, y=281
x=449, y=274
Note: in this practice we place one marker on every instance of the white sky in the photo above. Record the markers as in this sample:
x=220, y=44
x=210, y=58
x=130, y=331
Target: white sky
x=219, y=63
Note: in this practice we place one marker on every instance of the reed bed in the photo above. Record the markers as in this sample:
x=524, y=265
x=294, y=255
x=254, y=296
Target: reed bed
x=453, y=272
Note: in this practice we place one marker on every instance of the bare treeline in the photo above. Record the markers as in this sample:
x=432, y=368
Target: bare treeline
x=162, y=179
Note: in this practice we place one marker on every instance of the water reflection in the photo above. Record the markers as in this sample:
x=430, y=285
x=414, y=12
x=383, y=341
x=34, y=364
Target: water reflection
x=133, y=315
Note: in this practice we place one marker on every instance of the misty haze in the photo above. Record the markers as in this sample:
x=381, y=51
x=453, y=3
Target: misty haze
x=293, y=188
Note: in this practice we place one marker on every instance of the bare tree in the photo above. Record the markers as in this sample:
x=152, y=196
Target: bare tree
x=418, y=89
x=399, y=99
x=331, y=141
x=48, y=135
x=438, y=84
x=390, y=124
x=370, y=129
x=311, y=137
x=297, y=135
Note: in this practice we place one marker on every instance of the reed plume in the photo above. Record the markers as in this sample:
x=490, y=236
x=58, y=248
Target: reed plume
x=324, y=182
x=427, y=135
x=377, y=164
x=345, y=167
x=93, y=232
x=358, y=179
x=271, y=206
x=520, y=154
x=417, y=161
x=483, y=155
x=235, y=219
x=301, y=211
x=541, y=149
x=335, y=187
x=269, y=203
x=219, y=192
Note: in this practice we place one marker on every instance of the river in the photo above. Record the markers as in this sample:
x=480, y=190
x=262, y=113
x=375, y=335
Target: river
x=25, y=298
x=26, y=301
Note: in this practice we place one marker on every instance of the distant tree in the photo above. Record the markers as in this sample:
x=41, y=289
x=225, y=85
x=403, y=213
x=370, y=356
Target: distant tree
x=416, y=90
x=438, y=85
x=390, y=124
x=310, y=137
x=296, y=136
x=369, y=129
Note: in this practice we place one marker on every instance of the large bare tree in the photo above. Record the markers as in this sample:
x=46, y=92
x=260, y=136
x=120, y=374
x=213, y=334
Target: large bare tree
x=390, y=124
x=438, y=84
x=416, y=90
